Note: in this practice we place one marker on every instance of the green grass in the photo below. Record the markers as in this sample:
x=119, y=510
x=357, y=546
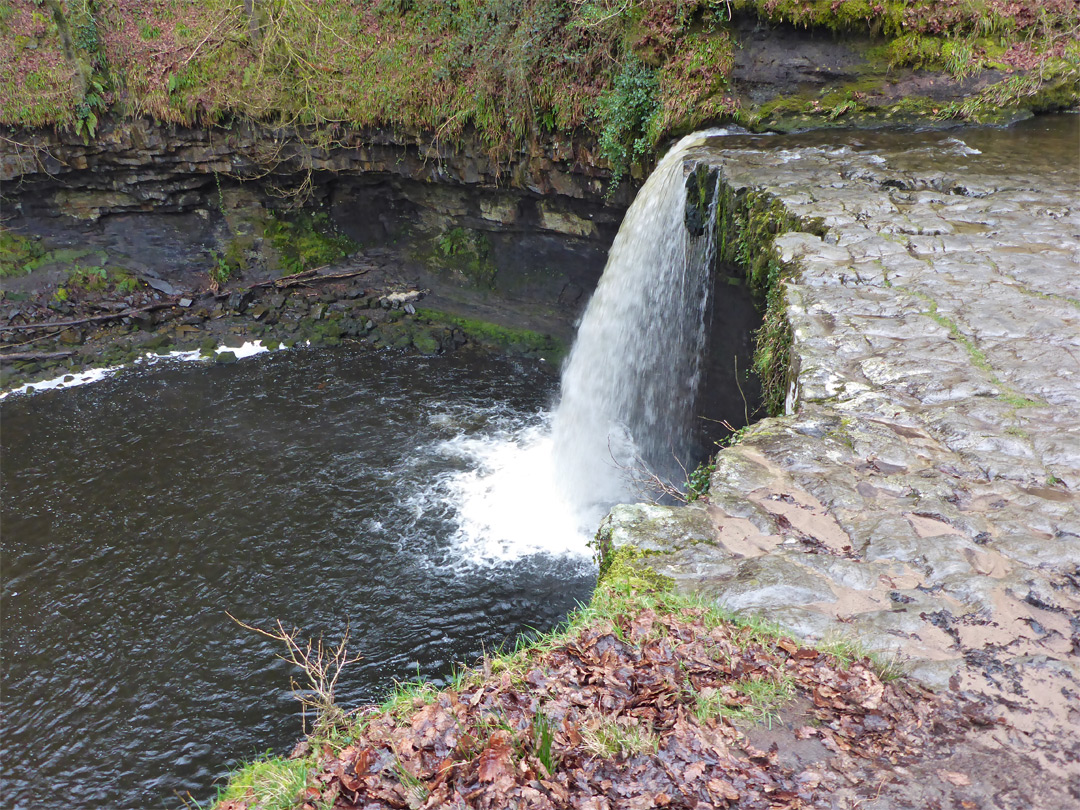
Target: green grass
x=500, y=72
x=407, y=696
x=847, y=650
x=755, y=700
x=275, y=781
x=611, y=739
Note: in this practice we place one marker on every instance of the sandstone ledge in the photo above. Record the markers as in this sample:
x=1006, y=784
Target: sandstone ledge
x=920, y=495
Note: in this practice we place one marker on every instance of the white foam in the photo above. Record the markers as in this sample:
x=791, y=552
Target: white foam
x=508, y=505
x=72, y=379
x=249, y=349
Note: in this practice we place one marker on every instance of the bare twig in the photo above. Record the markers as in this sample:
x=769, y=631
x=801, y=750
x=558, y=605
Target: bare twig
x=308, y=275
x=322, y=666
x=646, y=482
x=212, y=31
x=35, y=339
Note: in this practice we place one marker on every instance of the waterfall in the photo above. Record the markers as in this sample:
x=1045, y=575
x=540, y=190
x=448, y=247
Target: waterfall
x=629, y=390
x=630, y=384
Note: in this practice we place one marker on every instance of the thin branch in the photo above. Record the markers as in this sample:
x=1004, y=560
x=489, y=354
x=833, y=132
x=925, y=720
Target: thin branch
x=11, y=356
x=112, y=316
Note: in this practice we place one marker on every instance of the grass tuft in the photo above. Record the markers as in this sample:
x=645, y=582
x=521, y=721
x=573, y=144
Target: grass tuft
x=276, y=783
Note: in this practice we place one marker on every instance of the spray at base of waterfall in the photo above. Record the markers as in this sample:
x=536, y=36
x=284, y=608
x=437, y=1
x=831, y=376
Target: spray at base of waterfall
x=507, y=500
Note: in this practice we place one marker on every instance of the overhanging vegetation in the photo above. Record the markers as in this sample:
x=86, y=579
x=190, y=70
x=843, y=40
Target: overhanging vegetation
x=634, y=72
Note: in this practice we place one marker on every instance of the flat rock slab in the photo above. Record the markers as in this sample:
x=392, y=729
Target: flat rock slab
x=921, y=495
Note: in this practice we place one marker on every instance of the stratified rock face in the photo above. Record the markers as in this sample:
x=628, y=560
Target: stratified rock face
x=921, y=496
x=167, y=199
x=153, y=164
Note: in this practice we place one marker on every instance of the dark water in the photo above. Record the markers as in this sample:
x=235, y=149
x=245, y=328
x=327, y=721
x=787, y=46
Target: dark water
x=293, y=486
x=1022, y=150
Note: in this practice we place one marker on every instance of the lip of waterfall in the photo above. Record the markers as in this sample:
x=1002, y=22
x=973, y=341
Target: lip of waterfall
x=631, y=381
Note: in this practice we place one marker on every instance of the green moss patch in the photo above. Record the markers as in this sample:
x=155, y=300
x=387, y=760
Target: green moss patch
x=19, y=255
x=303, y=241
x=748, y=223
x=467, y=252
x=518, y=341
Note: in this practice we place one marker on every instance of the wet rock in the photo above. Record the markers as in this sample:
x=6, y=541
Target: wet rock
x=226, y=357
x=156, y=343
x=921, y=493
x=772, y=581
x=238, y=301
x=161, y=285
x=143, y=320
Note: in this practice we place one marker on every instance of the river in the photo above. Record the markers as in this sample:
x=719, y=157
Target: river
x=319, y=487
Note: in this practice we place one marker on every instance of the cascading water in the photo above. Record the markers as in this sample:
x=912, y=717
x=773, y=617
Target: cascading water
x=628, y=392
x=631, y=382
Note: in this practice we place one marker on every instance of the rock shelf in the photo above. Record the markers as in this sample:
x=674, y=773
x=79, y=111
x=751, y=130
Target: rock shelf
x=920, y=495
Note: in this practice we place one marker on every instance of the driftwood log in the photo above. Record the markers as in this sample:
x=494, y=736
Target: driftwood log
x=111, y=316
x=13, y=356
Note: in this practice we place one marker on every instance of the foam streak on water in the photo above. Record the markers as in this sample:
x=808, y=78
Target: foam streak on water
x=631, y=381
x=251, y=347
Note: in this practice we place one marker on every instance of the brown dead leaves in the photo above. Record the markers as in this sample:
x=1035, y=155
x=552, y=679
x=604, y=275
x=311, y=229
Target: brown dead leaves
x=611, y=719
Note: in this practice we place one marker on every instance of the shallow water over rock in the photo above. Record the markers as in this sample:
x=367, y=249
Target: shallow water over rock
x=309, y=486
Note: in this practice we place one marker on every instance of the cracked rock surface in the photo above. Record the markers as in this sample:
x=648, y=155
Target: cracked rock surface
x=921, y=494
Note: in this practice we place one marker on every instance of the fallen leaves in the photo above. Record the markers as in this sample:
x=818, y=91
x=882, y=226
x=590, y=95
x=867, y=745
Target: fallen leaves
x=612, y=718
x=495, y=764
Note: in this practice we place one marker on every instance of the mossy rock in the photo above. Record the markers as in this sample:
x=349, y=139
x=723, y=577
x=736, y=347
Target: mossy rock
x=156, y=343
x=628, y=566
x=425, y=343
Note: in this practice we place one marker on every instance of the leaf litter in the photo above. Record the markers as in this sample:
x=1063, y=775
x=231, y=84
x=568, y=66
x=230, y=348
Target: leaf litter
x=653, y=709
